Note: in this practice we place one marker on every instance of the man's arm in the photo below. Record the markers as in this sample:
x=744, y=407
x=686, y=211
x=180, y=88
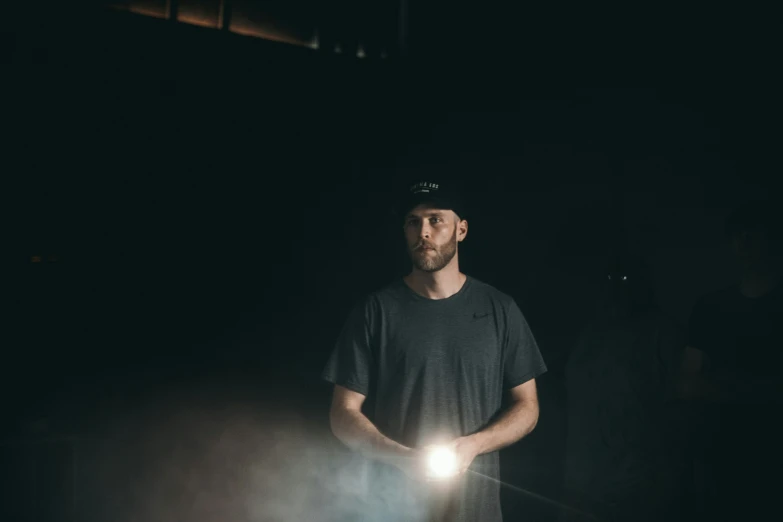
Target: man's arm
x=356, y=431
x=519, y=419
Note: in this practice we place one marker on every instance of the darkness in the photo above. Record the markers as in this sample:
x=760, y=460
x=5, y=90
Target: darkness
x=205, y=207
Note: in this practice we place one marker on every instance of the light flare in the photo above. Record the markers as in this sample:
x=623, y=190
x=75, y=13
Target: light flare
x=442, y=463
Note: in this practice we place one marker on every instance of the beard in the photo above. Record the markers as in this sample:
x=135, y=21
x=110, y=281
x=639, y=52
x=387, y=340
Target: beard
x=434, y=260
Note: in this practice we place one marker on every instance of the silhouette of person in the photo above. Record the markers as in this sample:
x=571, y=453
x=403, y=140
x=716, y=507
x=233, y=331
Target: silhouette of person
x=732, y=368
x=622, y=457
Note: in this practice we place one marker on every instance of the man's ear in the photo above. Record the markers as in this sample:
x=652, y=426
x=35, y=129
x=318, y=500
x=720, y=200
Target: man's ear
x=462, y=229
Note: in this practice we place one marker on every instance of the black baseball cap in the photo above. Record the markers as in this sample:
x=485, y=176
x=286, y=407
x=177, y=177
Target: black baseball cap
x=441, y=194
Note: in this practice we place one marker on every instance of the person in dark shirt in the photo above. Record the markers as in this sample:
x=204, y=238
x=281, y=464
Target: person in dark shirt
x=732, y=371
x=445, y=360
x=624, y=459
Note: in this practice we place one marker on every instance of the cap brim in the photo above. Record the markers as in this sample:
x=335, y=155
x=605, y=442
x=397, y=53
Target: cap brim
x=436, y=201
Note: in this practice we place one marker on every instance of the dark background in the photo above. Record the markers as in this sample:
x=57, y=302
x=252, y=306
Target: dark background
x=206, y=207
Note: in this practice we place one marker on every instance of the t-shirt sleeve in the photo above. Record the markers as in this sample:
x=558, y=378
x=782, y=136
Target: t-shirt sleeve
x=522, y=358
x=350, y=362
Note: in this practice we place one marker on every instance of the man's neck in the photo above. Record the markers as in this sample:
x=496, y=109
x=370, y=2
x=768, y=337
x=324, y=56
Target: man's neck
x=436, y=285
x=758, y=282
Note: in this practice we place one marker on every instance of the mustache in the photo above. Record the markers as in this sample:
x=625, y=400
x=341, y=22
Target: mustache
x=421, y=245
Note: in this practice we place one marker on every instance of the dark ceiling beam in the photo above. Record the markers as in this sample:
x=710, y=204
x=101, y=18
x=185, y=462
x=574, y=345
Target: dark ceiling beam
x=172, y=10
x=224, y=15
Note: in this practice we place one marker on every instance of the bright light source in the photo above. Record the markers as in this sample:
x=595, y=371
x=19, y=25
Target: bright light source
x=442, y=463
x=360, y=52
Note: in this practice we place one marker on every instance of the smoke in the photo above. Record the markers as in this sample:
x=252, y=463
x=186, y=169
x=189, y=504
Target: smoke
x=201, y=456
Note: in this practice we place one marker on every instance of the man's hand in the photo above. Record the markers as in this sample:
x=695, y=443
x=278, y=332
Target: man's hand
x=463, y=450
x=417, y=465
x=466, y=450
x=413, y=464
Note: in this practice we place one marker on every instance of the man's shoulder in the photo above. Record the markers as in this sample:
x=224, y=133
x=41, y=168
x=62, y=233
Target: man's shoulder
x=392, y=289
x=486, y=291
x=384, y=293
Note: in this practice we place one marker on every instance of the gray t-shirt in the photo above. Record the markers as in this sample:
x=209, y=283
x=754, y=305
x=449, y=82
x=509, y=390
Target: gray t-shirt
x=434, y=370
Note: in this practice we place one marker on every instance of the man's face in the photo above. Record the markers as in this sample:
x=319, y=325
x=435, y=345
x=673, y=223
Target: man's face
x=432, y=235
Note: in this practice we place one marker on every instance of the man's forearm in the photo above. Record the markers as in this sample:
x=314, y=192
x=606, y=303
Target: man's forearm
x=515, y=423
x=357, y=432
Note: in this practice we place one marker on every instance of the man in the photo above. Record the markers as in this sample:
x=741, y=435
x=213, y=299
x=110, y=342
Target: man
x=732, y=370
x=435, y=351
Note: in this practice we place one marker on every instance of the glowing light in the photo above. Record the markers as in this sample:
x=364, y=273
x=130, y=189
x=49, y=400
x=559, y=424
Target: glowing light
x=146, y=11
x=442, y=463
x=315, y=43
x=338, y=49
x=198, y=20
x=245, y=29
x=360, y=52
